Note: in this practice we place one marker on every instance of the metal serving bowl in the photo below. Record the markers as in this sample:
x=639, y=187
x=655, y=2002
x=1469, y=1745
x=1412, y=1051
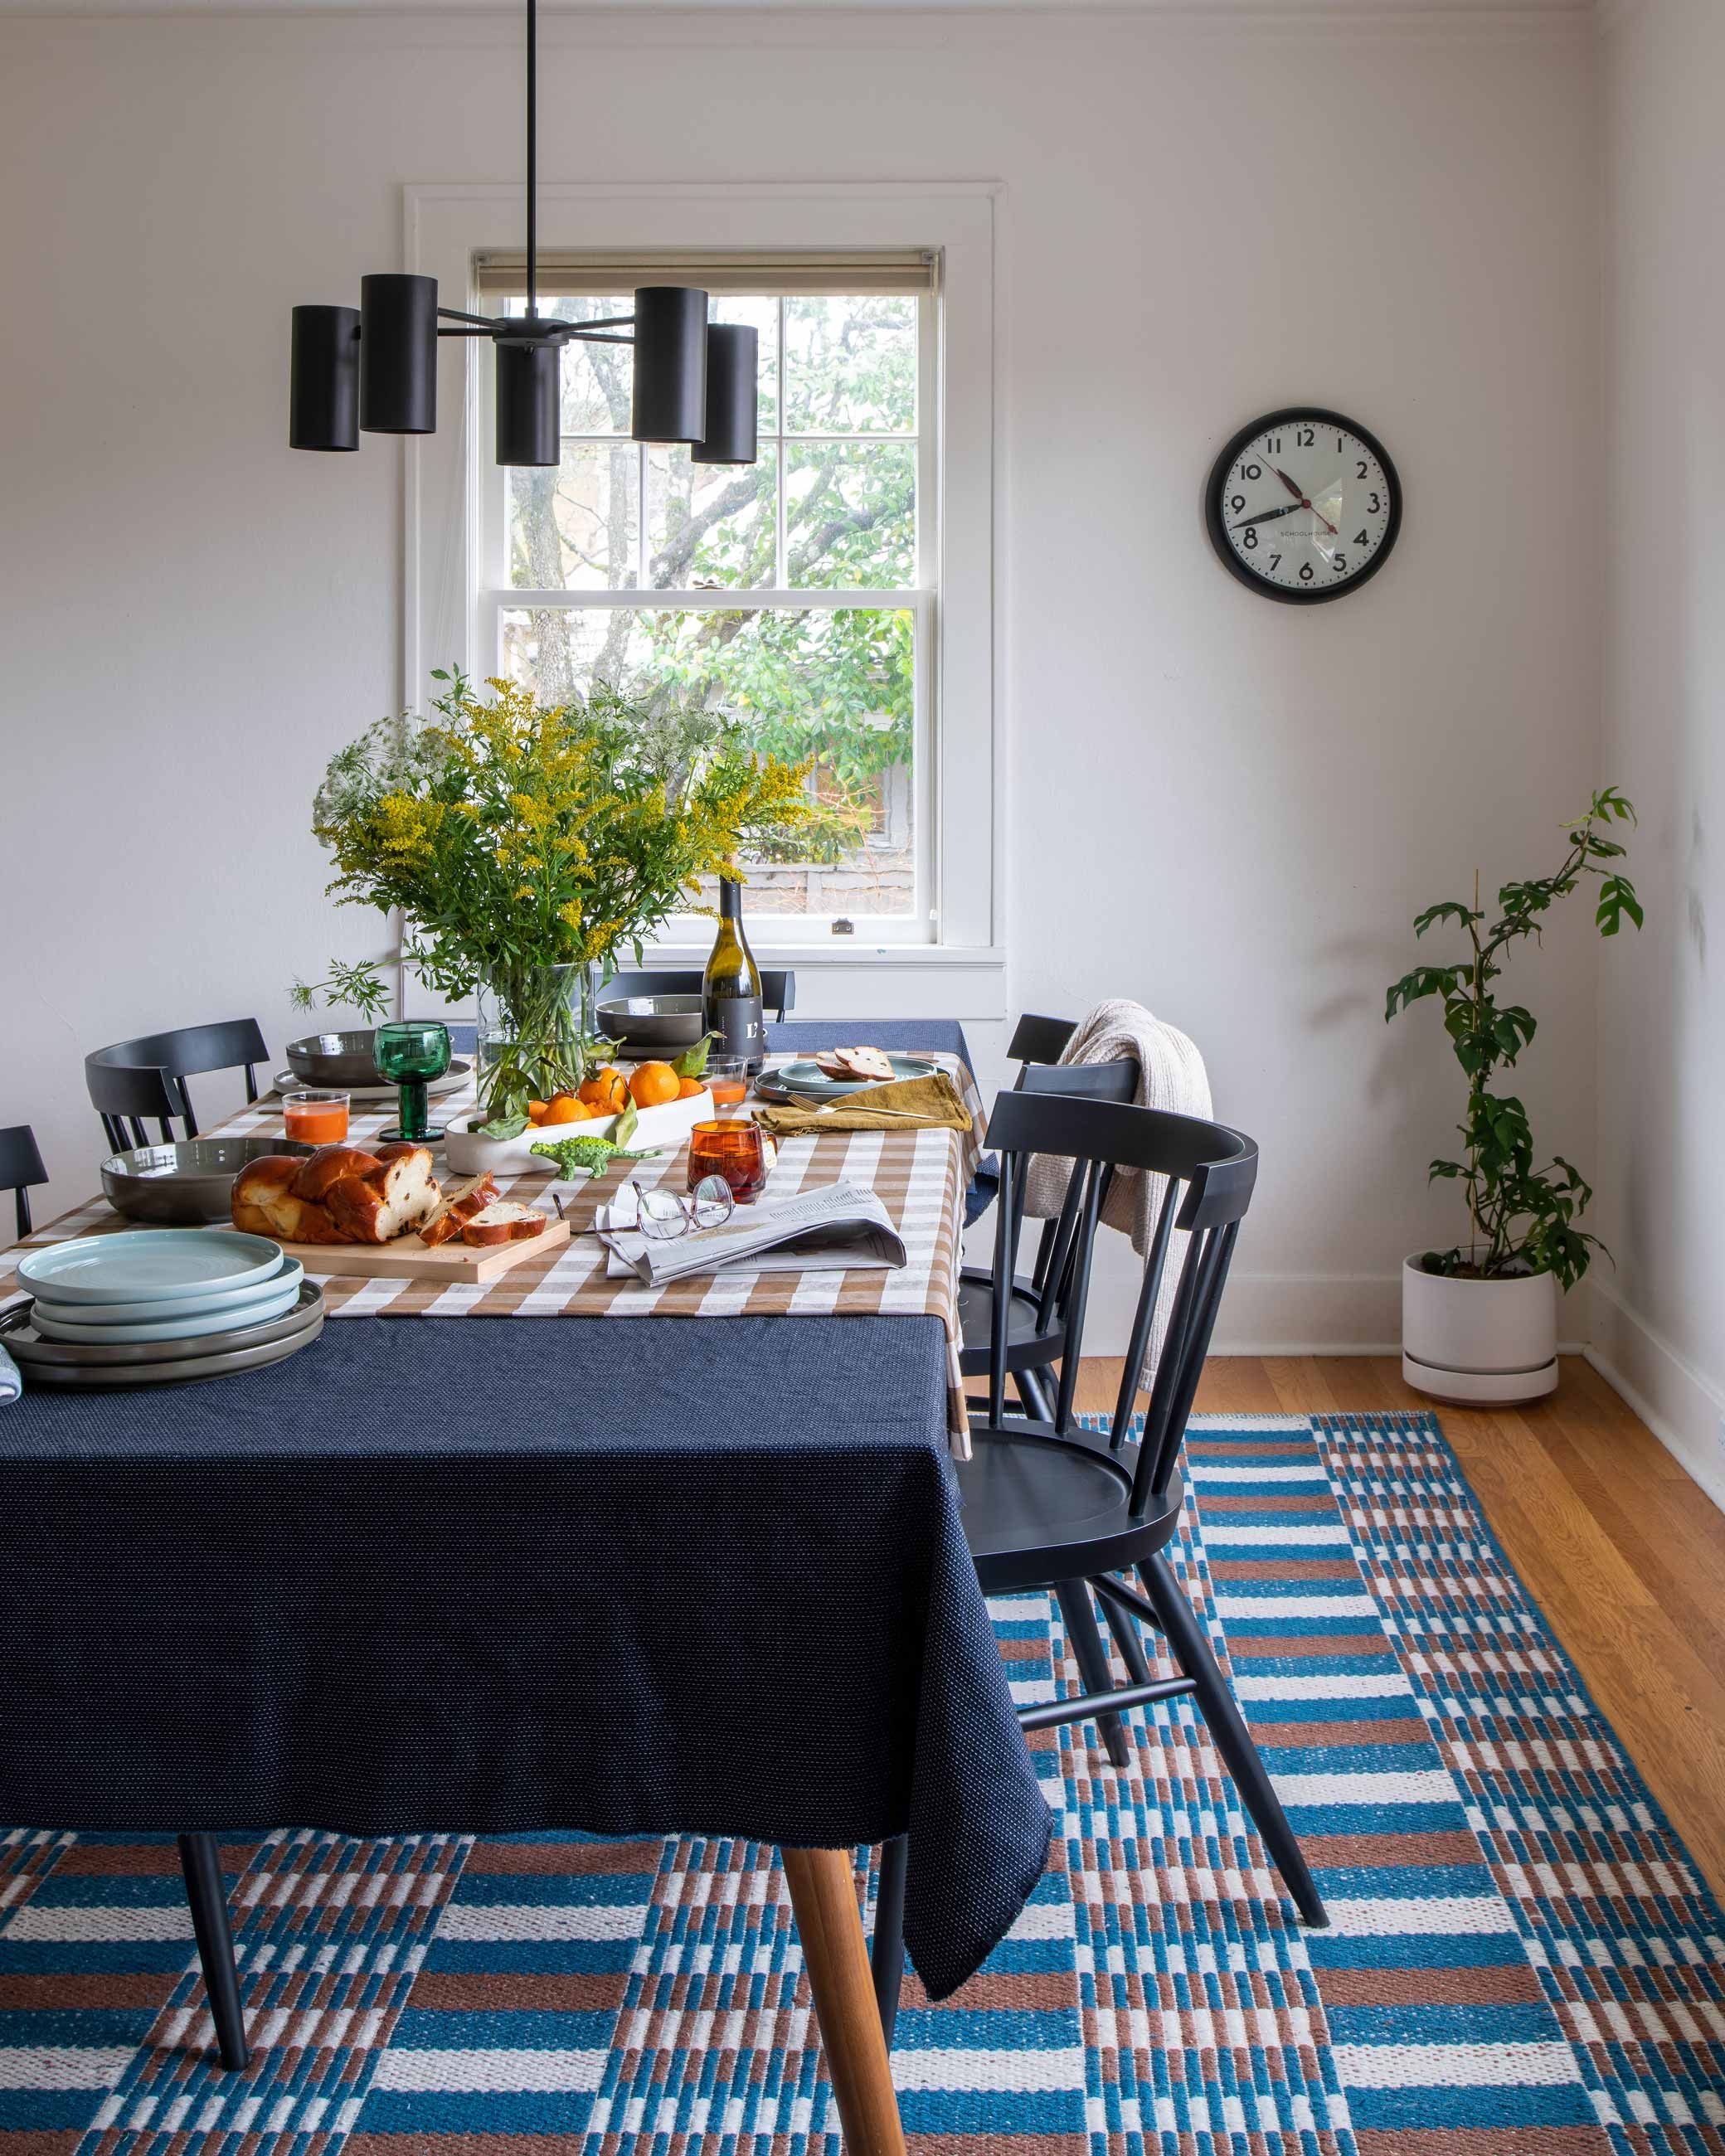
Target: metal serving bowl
x=339, y=1060
x=654, y=1021
x=185, y=1185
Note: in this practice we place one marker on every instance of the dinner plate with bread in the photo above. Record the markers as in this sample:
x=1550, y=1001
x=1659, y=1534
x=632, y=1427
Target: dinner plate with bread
x=381, y=1211
x=836, y=1073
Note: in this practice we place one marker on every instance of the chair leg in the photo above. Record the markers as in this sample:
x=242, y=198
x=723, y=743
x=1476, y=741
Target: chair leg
x=1080, y=1617
x=886, y=1957
x=1191, y=1650
x=201, y=1864
x=1125, y=1628
x=1034, y=1395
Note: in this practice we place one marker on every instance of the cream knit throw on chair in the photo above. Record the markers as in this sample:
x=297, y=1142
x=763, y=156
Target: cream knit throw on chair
x=1171, y=1075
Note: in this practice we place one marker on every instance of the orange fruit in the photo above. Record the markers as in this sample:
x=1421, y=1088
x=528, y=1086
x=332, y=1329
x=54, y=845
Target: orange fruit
x=605, y=1093
x=565, y=1108
x=653, y=1084
x=536, y=1111
x=687, y=1088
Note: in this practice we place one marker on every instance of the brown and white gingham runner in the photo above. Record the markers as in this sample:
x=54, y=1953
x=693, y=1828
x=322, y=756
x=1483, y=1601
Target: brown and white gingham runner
x=920, y=1176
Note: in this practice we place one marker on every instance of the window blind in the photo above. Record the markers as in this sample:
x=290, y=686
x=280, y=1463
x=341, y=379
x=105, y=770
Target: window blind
x=504, y=276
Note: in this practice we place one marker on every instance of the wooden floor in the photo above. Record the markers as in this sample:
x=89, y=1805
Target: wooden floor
x=1621, y=1550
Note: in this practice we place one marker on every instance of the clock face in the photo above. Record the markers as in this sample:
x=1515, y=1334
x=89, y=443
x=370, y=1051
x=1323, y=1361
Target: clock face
x=1303, y=505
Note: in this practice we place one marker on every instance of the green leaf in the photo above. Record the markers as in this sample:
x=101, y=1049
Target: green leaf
x=625, y=1126
x=504, y=1127
x=693, y=1060
x=1617, y=897
x=1449, y=909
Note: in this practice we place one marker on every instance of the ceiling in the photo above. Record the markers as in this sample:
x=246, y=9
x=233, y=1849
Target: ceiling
x=1262, y=9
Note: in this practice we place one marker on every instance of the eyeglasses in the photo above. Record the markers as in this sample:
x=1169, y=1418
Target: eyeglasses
x=663, y=1214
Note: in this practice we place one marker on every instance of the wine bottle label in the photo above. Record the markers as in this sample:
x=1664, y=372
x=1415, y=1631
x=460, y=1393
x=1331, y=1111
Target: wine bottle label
x=737, y=1020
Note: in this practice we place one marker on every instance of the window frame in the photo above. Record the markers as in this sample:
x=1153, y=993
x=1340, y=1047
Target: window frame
x=494, y=596
x=448, y=228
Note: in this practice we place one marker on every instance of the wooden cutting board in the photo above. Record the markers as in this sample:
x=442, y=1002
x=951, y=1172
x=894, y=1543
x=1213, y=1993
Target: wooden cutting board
x=407, y=1257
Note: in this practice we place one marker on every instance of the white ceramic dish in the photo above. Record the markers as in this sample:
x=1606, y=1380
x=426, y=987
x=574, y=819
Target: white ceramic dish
x=655, y=1128
x=105, y=1332
x=218, y=1303
x=149, y=1265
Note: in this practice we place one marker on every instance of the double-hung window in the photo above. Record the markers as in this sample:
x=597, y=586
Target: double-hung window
x=798, y=593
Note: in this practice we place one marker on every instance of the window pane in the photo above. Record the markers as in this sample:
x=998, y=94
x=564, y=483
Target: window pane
x=834, y=686
x=598, y=378
x=850, y=365
x=574, y=528
x=851, y=514
x=710, y=524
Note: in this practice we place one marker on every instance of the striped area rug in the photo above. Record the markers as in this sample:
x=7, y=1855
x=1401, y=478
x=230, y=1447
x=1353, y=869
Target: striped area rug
x=1523, y=1961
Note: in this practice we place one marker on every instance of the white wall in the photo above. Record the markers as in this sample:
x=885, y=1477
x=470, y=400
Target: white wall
x=1660, y=1322
x=1227, y=807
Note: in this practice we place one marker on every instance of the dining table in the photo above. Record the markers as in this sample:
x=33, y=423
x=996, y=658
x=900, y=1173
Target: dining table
x=560, y=1558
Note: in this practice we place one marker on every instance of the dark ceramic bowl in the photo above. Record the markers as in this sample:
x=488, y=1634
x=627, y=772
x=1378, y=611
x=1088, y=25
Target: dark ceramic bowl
x=654, y=1022
x=186, y=1184
x=338, y=1060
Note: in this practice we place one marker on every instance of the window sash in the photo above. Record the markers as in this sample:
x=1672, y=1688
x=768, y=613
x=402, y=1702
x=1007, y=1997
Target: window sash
x=496, y=597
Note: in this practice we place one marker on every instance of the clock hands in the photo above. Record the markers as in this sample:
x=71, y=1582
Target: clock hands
x=1299, y=501
x=1264, y=516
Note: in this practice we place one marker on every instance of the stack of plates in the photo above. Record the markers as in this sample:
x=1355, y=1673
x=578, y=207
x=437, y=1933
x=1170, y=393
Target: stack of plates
x=154, y=1305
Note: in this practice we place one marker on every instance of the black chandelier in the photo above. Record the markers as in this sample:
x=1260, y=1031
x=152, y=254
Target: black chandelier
x=373, y=369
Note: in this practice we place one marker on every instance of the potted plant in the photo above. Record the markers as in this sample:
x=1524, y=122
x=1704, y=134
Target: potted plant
x=524, y=845
x=1479, y=1320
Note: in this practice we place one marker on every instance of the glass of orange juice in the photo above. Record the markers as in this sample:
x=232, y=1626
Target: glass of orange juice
x=315, y=1118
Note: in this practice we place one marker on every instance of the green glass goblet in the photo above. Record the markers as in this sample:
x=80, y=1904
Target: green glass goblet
x=410, y=1051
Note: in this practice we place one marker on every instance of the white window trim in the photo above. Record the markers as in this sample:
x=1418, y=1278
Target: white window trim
x=446, y=474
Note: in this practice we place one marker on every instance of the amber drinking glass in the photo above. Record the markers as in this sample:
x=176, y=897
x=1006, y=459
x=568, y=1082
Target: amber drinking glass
x=733, y=1150
x=409, y=1051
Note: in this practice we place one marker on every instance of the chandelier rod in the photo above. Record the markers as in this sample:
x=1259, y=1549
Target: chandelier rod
x=532, y=156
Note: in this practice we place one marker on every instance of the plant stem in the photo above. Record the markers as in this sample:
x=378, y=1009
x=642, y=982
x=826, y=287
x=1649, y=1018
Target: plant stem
x=1479, y=1232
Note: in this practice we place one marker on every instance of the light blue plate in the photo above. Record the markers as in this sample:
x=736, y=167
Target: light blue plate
x=107, y=1334
x=218, y=1300
x=806, y=1077
x=150, y=1264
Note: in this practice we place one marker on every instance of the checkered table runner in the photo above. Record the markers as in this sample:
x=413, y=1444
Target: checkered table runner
x=920, y=1176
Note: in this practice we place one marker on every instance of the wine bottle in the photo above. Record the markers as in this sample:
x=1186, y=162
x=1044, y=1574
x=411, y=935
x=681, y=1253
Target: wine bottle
x=730, y=987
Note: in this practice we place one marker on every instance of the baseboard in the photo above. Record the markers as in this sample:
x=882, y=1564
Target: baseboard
x=1684, y=1410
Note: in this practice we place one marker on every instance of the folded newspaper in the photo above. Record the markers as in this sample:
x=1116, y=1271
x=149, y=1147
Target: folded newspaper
x=839, y=1228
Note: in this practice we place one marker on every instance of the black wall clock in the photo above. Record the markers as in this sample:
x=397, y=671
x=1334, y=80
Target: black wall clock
x=1303, y=505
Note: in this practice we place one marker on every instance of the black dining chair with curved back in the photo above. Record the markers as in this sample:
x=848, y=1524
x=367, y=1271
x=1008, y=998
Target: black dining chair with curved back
x=21, y=1171
x=778, y=986
x=131, y=1080
x=1067, y=1512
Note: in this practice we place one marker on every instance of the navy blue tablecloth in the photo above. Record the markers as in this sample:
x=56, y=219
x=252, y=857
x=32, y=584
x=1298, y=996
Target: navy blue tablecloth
x=630, y=1576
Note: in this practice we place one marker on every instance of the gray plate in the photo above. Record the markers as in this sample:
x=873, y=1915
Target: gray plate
x=377, y=1093
x=805, y=1079
x=185, y=1185
x=338, y=1060
x=653, y=1023
x=27, y=1347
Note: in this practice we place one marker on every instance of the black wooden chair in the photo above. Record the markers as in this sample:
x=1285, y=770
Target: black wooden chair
x=778, y=986
x=21, y=1171
x=132, y=1079
x=1067, y=1513
x=1037, y=1328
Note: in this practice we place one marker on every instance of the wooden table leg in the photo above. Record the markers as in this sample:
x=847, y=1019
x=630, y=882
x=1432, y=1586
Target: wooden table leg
x=830, y=1927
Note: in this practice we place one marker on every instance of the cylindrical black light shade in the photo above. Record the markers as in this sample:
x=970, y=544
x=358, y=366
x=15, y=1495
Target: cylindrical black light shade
x=527, y=392
x=732, y=358
x=323, y=398
x=397, y=355
x=670, y=364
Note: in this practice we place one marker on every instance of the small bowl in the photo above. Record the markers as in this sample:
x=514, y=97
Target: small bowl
x=339, y=1060
x=654, y=1021
x=185, y=1185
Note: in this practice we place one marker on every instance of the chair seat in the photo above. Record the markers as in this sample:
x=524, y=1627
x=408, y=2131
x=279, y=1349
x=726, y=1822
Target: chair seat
x=1028, y=1347
x=1040, y=1509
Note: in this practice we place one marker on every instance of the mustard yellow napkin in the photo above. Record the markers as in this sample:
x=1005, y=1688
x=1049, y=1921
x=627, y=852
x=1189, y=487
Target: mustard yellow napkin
x=907, y=1104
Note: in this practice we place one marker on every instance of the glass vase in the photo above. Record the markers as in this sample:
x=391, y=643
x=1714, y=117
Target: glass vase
x=538, y=1035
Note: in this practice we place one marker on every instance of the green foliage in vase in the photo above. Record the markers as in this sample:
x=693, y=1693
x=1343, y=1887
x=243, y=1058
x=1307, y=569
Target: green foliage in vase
x=348, y=987
x=517, y=838
x=1521, y=1217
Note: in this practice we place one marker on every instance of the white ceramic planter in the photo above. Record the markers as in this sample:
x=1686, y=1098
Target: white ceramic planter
x=470, y=1154
x=1491, y=1342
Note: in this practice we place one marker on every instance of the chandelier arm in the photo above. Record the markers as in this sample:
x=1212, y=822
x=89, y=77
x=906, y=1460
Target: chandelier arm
x=532, y=157
x=460, y=314
x=465, y=331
